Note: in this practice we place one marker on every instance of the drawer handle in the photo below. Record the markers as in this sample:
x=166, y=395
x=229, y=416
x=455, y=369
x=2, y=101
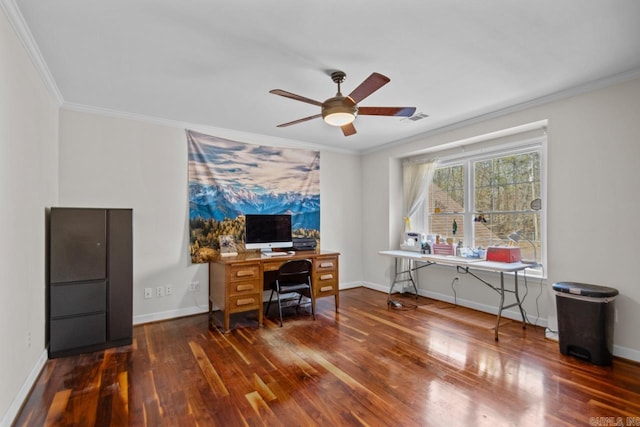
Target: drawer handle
x=326, y=264
x=326, y=277
x=244, y=287
x=245, y=301
x=326, y=288
x=243, y=273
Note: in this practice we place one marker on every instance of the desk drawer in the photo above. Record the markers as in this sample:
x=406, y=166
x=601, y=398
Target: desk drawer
x=325, y=283
x=322, y=264
x=239, y=303
x=244, y=272
x=325, y=276
x=243, y=288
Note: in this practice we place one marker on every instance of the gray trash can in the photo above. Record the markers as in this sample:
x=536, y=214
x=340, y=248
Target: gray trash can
x=585, y=320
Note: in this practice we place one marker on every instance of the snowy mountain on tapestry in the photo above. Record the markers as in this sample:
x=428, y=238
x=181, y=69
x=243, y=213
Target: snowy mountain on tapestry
x=229, y=179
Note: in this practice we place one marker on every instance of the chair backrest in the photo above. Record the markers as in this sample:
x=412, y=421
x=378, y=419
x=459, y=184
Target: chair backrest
x=296, y=270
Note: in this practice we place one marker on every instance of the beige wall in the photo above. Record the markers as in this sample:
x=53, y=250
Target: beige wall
x=593, y=171
x=28, y=184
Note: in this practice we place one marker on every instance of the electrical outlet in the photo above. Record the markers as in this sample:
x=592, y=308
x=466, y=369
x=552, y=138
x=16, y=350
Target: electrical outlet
x=160, y=291
x=168, y=290
x=148, y=293
x=194, y=286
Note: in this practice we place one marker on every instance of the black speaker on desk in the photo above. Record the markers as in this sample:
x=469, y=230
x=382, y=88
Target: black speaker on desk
x=303, y=244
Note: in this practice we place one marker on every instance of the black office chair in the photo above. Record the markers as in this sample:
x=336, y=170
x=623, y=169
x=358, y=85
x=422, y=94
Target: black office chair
x=293, y=277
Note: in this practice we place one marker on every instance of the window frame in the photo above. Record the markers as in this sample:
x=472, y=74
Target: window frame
x=467, y=157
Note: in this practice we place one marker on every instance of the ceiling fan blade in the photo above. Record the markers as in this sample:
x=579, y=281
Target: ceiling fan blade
x=372, y=83
x=295, y=122
x=348, y=130
x=387, y=111
x=296, y=97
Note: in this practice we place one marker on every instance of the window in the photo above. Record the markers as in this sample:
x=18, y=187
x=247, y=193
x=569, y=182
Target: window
x=446, y=198
x=484, y=198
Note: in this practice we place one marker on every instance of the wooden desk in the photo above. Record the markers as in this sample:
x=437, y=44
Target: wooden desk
x=236, y=283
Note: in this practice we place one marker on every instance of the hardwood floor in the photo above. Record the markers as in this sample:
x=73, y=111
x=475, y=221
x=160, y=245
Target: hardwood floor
x=432, y=365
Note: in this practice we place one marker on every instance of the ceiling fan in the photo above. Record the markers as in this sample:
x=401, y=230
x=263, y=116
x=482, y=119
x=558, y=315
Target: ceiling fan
x=342, y=110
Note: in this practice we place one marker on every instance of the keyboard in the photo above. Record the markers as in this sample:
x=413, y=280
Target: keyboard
x=275, y=254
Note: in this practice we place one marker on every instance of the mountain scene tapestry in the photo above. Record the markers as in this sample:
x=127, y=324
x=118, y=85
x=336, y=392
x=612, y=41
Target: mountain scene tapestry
x=229, y=179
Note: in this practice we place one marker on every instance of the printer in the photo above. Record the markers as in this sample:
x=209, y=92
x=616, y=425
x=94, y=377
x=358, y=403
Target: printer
x=303, y=244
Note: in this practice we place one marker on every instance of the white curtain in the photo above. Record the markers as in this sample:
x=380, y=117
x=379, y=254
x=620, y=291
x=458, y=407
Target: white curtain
x=416, y=178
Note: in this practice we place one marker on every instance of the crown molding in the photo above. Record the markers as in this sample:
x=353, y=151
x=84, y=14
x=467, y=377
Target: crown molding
x=556, y=96
x=236, y=135
x=23, y=32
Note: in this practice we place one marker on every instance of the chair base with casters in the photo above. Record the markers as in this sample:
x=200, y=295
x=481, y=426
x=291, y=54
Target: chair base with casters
x=293, y=277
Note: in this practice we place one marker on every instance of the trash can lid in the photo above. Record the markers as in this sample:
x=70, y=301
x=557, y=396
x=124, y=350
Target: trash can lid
x=585, y=289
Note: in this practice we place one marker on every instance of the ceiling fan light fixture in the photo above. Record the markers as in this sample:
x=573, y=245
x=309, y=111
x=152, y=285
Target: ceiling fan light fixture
x=336, y=112
x=339, y=118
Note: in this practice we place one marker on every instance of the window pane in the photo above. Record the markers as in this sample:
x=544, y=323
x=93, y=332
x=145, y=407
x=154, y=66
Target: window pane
x=442, y=225
x=447, y=190
x=504, y=170
x=483, y=234
x=504, y=189
x=483, y=173
x=525, y=193
x=484, y=199
x=505, y=198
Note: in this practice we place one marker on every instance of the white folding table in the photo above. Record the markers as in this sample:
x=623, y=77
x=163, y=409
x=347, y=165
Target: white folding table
x=418, y=260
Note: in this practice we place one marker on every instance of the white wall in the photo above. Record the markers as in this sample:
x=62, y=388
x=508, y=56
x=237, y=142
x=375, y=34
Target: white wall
x=118, y=162
x=593, y=171
x=28, y=183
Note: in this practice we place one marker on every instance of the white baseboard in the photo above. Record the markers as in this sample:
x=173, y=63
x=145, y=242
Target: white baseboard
x=509, y=314
x=618, y=351
x=375, y=287
x=21, y=397
x=626, y=353
x=190, y=311
x=350, y=285
x=169, y=314
x=551, y=335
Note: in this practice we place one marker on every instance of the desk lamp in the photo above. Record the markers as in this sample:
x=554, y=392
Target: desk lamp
x=517, y=236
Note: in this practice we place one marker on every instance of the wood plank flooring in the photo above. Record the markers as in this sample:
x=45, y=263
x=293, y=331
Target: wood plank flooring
x=366, y=365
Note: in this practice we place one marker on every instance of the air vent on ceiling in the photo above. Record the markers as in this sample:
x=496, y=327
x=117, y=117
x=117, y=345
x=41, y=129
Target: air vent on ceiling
x=416, y=117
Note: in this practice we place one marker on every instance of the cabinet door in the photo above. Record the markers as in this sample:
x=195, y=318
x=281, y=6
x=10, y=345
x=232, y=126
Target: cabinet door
x=72, y=299
x=120, y=274
x=76, y=332
x=77, y=244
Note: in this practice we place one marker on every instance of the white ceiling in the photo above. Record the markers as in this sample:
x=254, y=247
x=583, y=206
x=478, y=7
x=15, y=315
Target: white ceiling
x=212, y=63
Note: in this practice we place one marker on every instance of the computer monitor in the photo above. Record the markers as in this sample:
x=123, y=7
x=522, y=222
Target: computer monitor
x=266, y=232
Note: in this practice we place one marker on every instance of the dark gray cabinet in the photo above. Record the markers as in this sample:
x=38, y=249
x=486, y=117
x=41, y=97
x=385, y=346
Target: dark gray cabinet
x=90, y=279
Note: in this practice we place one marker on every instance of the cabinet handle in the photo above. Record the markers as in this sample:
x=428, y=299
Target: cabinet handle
x=244, y=287
x=326, y=264
x=245, y=301
x=243, y=273
x=326, y=277
x=326, y=288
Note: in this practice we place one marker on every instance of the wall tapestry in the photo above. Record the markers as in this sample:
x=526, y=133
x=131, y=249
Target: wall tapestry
x=228, y=179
